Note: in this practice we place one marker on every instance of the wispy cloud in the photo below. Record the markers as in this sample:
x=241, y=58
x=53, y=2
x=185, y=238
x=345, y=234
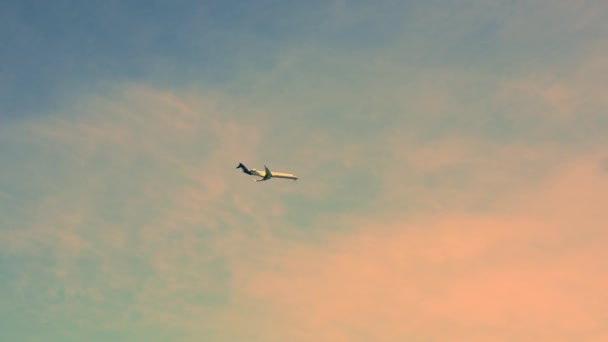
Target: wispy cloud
x=137, y=187
x=452, y=174
x=499, y=276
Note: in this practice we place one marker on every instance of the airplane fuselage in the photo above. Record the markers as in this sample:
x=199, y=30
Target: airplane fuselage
x=262, y=173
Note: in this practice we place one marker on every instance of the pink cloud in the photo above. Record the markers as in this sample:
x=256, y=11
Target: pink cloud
x=458, y=174
x=577, y=92
x=535, y=271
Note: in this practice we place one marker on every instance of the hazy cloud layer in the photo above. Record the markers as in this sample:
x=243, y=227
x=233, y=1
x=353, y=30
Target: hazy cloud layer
x=531, y=271
x=452, y=162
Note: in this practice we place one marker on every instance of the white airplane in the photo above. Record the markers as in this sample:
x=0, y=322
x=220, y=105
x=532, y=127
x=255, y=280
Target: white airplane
x=266, y=174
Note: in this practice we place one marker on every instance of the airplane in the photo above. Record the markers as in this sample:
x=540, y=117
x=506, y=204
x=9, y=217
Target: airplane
x=266, y=174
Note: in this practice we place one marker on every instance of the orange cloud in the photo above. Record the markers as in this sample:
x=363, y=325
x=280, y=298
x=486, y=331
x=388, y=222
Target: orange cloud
x=534, y=272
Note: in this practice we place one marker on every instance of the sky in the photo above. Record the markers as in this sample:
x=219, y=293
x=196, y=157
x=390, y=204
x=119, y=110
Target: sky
x=452, y=157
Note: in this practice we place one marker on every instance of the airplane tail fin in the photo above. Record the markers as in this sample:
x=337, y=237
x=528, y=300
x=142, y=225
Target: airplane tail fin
x=244, y=168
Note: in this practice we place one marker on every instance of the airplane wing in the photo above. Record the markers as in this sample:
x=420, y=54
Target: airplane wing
x=268, y=174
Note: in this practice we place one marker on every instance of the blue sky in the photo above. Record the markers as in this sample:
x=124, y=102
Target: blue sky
x=53, y=50
x=444, y=149
x=60, y=47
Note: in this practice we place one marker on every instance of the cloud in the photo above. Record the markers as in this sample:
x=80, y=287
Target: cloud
x=124, y=198
x=572, y=96
x=528, y=273
x=130, y=213
x=446, y=181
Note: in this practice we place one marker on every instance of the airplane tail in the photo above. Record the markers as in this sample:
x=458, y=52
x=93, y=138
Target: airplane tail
x=244, y=168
